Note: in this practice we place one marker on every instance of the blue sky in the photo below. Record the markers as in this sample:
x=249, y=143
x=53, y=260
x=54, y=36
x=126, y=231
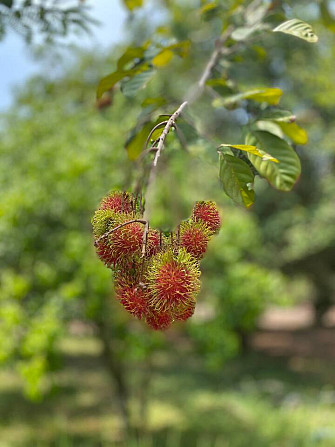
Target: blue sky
x=17, y=64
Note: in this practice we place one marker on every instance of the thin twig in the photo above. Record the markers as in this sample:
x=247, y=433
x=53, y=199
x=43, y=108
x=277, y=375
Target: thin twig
x=142, y=221
x=197, y=90
x=171, y=123
x=163, y=123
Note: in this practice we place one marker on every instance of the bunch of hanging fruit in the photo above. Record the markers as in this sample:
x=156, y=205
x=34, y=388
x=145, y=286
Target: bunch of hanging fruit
x=156, y=274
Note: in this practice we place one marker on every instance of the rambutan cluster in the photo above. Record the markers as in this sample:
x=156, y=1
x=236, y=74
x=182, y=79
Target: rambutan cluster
x=156, y=275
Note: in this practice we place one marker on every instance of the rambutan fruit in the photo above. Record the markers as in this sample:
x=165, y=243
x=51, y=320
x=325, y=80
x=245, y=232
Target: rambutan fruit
x=159, y=321
x=208, y=213
x=127, y=240
x=117, y=201
x=184, y=311
x=194, y=237
x=153, y=243
x=133, y=298
x=172, y=279
x=103, y=220
x=105, y=253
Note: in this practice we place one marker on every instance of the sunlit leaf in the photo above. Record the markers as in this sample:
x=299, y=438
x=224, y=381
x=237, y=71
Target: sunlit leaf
x=129, y=55
x=251, y=150
x=269, y=95
x=296, y=133
x=298, y=28
x=208, y=7
x=162, y=58
x=282, y=175
x=237, y=179
x=133, y=4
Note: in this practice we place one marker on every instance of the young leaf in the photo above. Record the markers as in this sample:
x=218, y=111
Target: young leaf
x=237, y=179
x=269, y=95
x=298, y=28
x=252, y=150
x=282, y=175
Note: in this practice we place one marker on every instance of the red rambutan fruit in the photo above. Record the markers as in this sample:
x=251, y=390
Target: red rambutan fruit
x=172, y=280
x=208, y=213
x=194, y=237
x=127, y=240
x=159, y=321
x=117, y=201
x=153, y=243
x=105, y=253
x=133, y=298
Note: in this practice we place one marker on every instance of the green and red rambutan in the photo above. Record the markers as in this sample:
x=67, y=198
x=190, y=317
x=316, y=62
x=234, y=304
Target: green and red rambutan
x=208, y=213
x=194, y=237
x=118, y=201
x=103, y=221
x=172, y=280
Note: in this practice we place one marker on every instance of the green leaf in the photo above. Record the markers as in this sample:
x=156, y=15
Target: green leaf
x=237, y=179
x=298, y=28
x=282, y=175
x=136, y=142
x=165, y=55
x=278, y=115
x=296, y=133
x=130, y=88
x=108, y=82
x=269, y=95
x=129, y=55
x=244, y=32
x=251, y=150
x=327, y=18
x=132, y=4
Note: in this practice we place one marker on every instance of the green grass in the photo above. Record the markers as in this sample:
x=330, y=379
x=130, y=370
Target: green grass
x=255, y=401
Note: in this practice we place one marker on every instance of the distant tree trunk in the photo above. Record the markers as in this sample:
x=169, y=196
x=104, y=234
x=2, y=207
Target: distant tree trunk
x=319, y=267
x=244, y=341
x=324, y=297
x=116, y=370
x=144, y=387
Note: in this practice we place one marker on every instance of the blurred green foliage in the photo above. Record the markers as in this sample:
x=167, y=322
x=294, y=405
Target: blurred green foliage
x=60, y=155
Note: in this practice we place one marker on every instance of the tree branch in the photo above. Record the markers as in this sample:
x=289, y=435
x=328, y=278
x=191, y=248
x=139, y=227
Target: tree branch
x=195, y=92
x=142, y=221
